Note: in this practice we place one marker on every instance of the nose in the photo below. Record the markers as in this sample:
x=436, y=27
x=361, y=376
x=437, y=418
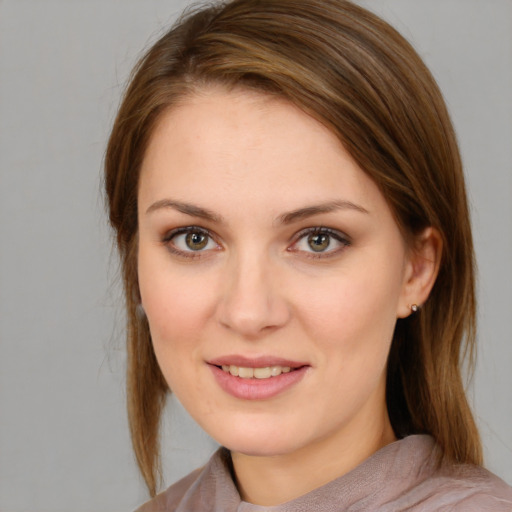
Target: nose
x=253, y=302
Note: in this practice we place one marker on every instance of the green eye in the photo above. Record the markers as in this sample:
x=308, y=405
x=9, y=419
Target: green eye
x=190, y=240
x=319, y=242
x=196, y=241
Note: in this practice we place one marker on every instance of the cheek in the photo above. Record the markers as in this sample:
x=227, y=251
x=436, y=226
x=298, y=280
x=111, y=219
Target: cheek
x=354, y=314
x=351, y=325
x=177, y=305
x=176, y=313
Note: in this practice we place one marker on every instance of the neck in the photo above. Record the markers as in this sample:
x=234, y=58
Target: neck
x=276, y=479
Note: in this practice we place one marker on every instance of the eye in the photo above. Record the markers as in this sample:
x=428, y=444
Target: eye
x=189, y=240
x=320, y=241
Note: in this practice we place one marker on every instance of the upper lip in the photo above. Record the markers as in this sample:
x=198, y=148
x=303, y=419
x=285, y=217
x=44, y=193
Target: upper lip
x=254, y=362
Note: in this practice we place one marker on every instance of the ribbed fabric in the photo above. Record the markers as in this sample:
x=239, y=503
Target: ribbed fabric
x=402, y=476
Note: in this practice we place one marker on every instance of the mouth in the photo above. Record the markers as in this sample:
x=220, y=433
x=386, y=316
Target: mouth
x=257, y=379
x=262, y=367
x=265, y=372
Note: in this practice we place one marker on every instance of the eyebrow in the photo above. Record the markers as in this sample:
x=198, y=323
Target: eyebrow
x=310, y=211
x=285, y=218
x=187, y=209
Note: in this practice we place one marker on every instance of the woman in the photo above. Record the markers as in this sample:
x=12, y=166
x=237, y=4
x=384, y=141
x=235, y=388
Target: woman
x=289, y=204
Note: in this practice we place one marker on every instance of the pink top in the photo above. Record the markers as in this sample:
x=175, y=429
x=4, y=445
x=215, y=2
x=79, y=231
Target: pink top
x=400, y=477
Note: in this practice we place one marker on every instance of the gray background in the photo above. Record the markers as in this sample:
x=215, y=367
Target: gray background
x=64, y=443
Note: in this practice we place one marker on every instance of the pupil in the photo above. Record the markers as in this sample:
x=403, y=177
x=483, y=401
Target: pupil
x=196, y=241
x=318, y=242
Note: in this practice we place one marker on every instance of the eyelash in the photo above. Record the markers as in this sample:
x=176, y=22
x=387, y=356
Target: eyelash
x=338, y=236
x=187, y=230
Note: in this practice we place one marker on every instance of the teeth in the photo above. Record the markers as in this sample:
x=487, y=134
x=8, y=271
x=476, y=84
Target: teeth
x=276, y=370
x=257, y=373
x=244, y=373
x=263, y=373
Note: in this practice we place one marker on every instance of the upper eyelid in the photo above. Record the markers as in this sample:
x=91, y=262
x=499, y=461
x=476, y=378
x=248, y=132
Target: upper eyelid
x=336, y=233
x=303, y=231
x=186, y=229
x=168, y=236
x=320, y=229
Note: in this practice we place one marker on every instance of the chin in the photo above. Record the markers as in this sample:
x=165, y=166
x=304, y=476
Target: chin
x=260, y=447
x=259, y=440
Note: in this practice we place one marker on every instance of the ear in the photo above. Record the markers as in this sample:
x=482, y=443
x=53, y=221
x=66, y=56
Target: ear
x=421, y=269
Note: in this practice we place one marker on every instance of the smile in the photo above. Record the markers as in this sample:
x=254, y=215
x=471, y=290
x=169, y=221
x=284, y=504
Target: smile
x=260, y=378
x=255, y=373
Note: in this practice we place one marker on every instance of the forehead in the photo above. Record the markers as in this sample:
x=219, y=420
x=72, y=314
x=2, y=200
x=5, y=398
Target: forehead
x=243, y=146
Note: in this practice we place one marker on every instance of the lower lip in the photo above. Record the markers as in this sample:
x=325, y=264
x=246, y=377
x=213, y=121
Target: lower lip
x=257, y=389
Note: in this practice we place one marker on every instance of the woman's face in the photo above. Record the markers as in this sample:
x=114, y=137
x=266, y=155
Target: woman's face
x=271, y=271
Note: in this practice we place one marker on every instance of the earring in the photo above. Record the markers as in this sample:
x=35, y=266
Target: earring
x=415, y=308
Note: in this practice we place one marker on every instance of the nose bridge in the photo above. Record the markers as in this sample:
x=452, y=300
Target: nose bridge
x=251, y=302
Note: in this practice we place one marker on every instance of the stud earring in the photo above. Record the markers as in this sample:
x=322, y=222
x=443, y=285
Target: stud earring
x=415, y=308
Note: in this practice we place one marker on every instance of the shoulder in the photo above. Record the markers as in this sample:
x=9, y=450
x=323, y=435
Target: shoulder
x=464, y=488
x=171, y=498
x=418, y=482
x=207, y=488
x=473, y=488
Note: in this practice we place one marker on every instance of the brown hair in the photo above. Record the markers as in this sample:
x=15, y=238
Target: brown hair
x=355, y=74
